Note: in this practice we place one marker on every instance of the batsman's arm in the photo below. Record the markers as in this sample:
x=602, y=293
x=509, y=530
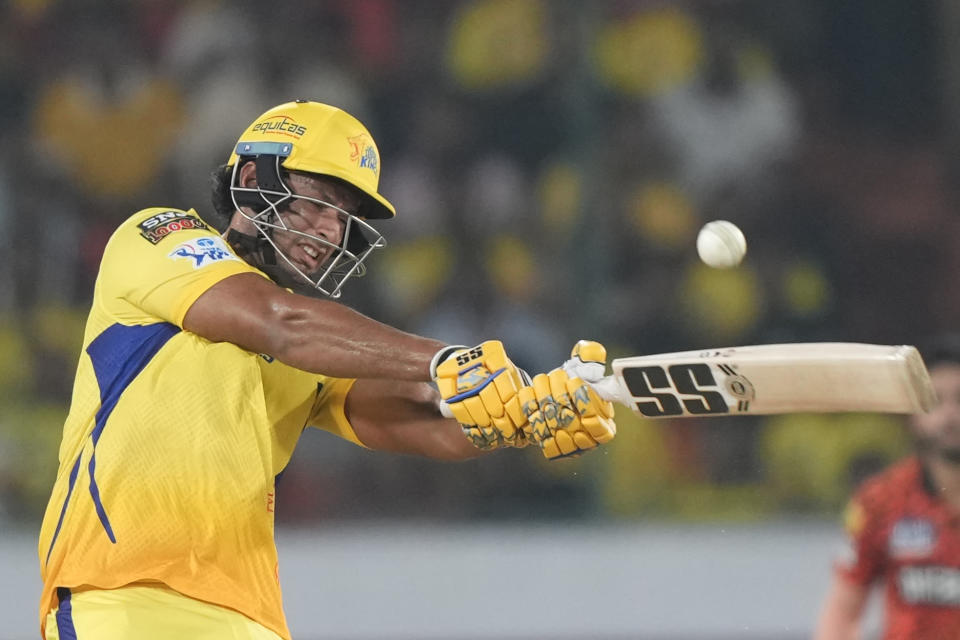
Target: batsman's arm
x=312, y=334
x=403, y=417
x=325, y=337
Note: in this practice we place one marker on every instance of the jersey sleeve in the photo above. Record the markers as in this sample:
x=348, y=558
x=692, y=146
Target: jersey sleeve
x=159, y=262
x=329, y=412
x=864, y=559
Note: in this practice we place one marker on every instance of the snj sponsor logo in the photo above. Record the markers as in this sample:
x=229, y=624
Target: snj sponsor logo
x=281, y=124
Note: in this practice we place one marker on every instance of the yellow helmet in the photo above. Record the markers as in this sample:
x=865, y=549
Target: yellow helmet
x=314, y=138
x=317, y=138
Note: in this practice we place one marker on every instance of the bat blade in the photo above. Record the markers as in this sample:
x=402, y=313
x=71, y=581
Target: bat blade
x=771, y=379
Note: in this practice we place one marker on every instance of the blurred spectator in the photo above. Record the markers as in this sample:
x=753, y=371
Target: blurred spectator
x=498, y=44
x=649, y=51
x=216, y=56
x=89, y=115
x=732, y=122
x=7, y=227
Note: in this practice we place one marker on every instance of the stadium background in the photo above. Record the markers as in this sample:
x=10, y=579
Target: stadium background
x=537, y=151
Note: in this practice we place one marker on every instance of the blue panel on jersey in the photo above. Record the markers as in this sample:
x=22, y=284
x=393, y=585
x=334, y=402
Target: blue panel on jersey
x=65, y=615
x=97, y=503
x=119, y=354
x=63, y=509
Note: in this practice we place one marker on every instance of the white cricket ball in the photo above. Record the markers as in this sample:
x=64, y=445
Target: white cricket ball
x=721, y=244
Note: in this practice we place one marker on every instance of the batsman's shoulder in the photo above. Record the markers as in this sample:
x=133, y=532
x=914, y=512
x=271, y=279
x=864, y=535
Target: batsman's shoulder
x=154, y=224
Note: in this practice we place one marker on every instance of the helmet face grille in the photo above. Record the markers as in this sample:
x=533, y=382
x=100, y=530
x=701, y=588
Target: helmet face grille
x=270, y=198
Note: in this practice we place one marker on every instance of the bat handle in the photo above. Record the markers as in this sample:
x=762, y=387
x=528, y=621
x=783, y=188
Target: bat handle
x=590, y=372
x=608, y=388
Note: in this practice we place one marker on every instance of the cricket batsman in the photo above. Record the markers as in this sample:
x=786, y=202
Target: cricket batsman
x=212, y=342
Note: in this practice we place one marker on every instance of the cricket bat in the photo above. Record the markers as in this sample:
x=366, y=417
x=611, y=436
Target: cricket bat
x=774, y=378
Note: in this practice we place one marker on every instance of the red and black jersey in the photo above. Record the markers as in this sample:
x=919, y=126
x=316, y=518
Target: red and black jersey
x=903, y=535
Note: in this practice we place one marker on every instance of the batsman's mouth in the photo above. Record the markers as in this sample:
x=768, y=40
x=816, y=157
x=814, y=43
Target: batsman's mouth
x=308, y=257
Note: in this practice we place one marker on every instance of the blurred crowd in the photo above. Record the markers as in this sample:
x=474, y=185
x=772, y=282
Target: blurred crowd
x=551, y=163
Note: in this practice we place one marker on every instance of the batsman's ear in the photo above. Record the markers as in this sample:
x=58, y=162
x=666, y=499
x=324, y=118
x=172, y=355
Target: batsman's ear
x=247, y=174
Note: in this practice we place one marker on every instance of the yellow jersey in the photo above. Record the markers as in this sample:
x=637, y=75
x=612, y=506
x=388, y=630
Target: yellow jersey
x=172, y=443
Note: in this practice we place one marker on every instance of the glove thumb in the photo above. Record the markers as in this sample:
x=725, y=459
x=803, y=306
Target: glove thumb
x=588, y=362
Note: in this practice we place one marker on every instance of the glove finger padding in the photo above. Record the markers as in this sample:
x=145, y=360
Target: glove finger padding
x=481, y=438
x=553, y=419
x=596, y=414
x=534, y=426
x=480, y=387
x=565, y=416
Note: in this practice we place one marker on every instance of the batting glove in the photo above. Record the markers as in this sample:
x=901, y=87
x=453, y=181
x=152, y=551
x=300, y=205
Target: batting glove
x=565, y=414
x=479, y=388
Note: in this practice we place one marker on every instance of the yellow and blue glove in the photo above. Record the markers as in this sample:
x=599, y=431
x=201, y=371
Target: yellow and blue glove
x=565, y=415
x=479, y=388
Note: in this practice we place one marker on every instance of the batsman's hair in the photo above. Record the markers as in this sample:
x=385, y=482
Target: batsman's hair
x=940, y=349
x=222, y=199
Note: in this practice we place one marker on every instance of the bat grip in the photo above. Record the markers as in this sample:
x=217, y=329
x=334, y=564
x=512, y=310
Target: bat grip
x=590, y=372
x=608, y=388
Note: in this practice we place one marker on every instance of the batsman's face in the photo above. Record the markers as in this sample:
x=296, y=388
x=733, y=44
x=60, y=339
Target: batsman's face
x=939, y=430
x=323, y=219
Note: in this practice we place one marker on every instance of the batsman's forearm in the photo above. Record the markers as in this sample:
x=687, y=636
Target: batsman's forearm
x=403, y=417
x=337, y=341
x=315, y=335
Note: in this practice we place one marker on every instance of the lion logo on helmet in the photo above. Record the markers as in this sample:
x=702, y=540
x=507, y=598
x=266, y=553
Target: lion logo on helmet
x=363, y=153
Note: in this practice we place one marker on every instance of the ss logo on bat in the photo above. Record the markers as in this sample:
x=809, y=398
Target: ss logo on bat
x=665, y=389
